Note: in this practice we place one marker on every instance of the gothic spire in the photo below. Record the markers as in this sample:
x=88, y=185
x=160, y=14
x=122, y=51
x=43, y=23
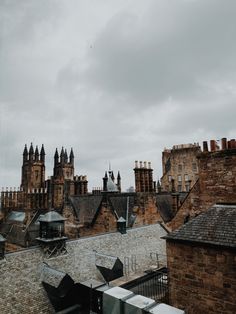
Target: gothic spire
x=66, y=156
x=25, y=153
x=62, y=155
x=31, y=152
x=71, y=156
x=42, y=153
x=36, y=153
x=56, y=157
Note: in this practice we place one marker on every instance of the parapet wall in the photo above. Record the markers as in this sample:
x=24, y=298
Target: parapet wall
x=20, y=285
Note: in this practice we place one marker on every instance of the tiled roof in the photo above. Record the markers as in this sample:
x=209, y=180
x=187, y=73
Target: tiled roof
x=216, y=226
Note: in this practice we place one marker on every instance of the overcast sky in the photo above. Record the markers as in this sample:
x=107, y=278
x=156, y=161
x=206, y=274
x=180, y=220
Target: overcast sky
x=116, y=80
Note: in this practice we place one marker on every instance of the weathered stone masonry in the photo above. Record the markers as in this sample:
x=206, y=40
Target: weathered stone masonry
x=20, y=285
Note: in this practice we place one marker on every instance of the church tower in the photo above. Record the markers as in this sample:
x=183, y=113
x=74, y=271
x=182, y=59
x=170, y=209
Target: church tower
x=33, y=169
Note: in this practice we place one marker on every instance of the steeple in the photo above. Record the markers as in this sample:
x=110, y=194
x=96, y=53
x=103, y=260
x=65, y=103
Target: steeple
x=56, y=157
x=25, y=154
x=42, y=153
x=31, y=152
x=71, y=156
x=36, y=154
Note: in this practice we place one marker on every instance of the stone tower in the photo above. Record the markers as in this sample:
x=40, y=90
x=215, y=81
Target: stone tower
x=33, y=169
x=62, y=185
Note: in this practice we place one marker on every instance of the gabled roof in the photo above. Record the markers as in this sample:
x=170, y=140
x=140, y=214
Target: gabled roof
x=217, y=226
x=86, y=206
x=164, y=205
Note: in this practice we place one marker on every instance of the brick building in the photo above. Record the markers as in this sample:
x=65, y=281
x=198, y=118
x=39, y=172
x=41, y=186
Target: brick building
x=201, y=262
x=180, y=167
x=216, y=183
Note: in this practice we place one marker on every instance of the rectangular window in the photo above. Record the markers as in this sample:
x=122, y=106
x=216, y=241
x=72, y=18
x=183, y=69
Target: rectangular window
x=179, y=188
x=187, y=187
x=169, y=178
x=179, y=178
x=186, y=177
x=179, y=168
x=194, y=166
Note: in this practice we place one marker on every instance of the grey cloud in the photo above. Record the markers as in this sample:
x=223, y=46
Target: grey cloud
x=149, y=65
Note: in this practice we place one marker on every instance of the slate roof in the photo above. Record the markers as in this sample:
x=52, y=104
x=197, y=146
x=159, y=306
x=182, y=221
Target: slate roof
x=86, y=206
x=51, y=276
x=121, y=202
x=217, y=226
x=164, y=205
x=51, y=216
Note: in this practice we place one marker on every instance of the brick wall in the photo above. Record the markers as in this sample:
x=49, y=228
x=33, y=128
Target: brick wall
x=20, y=285
x=201, y=279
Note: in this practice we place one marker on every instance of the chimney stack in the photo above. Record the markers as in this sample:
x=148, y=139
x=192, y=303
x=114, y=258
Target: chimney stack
x=213, y=145
x=224, y=143
x=205, y=146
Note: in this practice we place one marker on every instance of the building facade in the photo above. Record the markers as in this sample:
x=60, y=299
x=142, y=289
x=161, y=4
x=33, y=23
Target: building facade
x=180, y=167
x=35, y=192
x=216, y=183
x=201, y=262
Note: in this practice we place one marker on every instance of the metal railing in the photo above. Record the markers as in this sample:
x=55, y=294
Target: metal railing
x=154, y=285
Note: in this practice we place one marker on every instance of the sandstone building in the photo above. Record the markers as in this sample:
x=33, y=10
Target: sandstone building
x=86, y=213
x=216, y=182
x=180, y=167
x=37, y=193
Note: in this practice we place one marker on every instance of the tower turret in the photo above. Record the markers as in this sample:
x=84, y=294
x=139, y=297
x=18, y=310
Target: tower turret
x=71, y=157
x=105, y=178
x=66, y=157
x=42, y=154
x=62, y=156
x=25, y=154
x=31, y=152
x=56, y=157
x=36, y=154
x=119, y=181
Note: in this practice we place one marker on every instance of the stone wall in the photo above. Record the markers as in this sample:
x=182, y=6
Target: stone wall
x=216, y=184
x=20, y=286
x=201, y=279
x=180, y=167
